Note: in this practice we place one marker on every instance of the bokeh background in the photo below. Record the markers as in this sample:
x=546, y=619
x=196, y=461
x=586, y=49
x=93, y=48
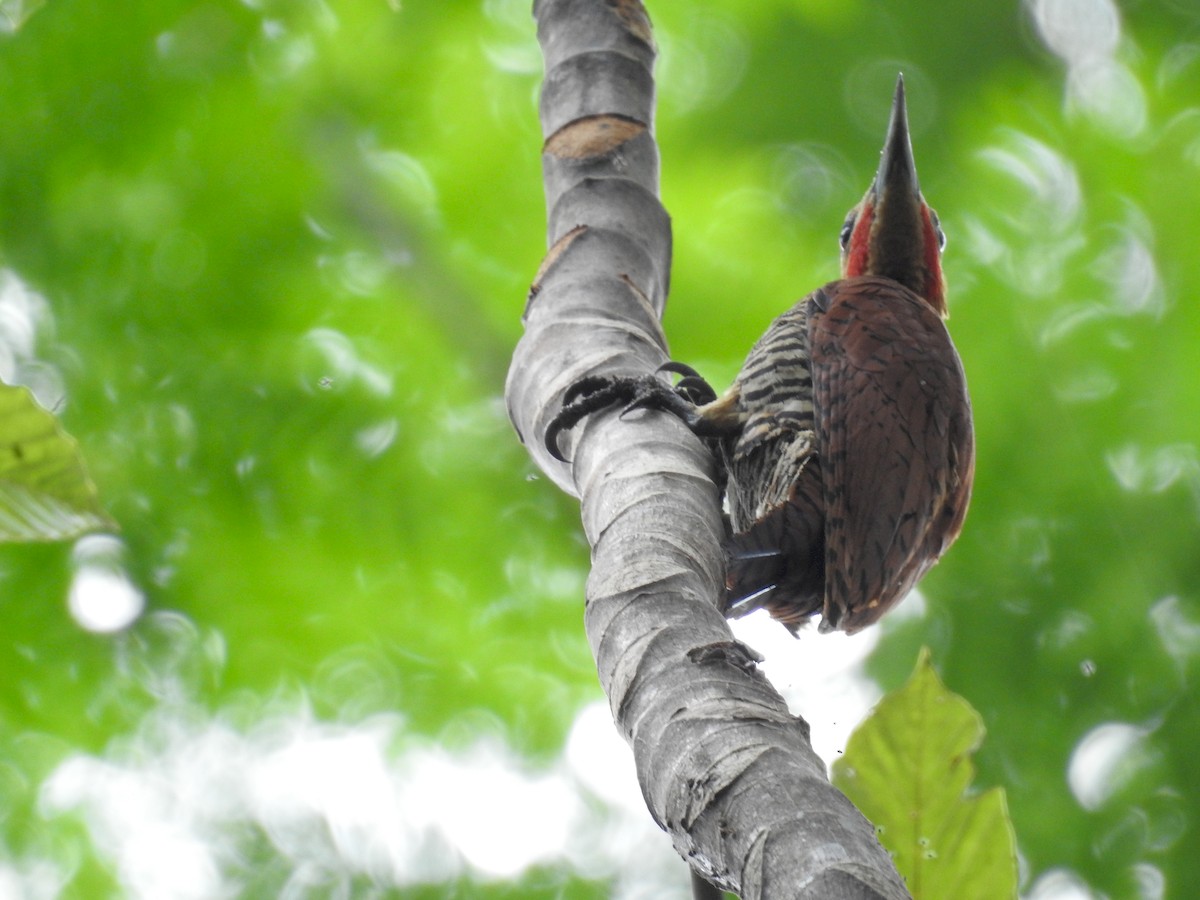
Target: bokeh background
x=267, y=259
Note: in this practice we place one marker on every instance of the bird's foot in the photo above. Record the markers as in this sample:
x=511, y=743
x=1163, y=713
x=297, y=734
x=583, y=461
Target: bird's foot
x=595, y=392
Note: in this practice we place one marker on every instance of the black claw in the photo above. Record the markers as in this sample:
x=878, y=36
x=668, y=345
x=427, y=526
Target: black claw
x=553, y=430
x=560, y=423
x=692, y=385
x=696, y=389
x=556, y=427
x=678, y=368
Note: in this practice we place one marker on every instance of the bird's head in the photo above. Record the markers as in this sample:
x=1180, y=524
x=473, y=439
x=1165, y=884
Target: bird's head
x=892, y=232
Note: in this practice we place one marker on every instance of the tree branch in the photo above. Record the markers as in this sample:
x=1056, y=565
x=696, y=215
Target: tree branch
x=723, y=765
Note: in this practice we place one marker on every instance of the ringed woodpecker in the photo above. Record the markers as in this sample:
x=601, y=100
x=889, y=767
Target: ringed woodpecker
x=845, y=441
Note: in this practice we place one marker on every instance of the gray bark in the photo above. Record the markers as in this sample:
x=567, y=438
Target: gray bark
x=725, y=769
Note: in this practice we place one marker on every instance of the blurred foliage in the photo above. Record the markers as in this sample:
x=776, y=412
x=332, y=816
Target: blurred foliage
x=266, y=260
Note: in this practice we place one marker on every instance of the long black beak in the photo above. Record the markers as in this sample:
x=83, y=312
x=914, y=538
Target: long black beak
x=897, y=171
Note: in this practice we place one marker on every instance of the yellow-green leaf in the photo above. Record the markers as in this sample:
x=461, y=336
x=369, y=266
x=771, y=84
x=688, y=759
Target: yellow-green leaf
x=45, y=491
x=908, y=769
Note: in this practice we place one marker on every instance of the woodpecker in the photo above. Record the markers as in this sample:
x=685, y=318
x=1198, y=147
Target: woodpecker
x=846, y=440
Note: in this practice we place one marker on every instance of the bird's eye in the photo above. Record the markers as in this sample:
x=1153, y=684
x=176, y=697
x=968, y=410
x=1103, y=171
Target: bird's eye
x=937, y=229
x=847, y=229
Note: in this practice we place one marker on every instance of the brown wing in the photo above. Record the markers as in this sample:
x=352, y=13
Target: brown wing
x=894, y=436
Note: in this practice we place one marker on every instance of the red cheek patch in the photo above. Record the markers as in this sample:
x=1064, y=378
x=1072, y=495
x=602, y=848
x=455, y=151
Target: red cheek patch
x=935, y=290
x=860, y=238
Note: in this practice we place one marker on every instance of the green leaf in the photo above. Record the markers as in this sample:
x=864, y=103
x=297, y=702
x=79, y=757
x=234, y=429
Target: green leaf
x=45, y=491
x=908, y=768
